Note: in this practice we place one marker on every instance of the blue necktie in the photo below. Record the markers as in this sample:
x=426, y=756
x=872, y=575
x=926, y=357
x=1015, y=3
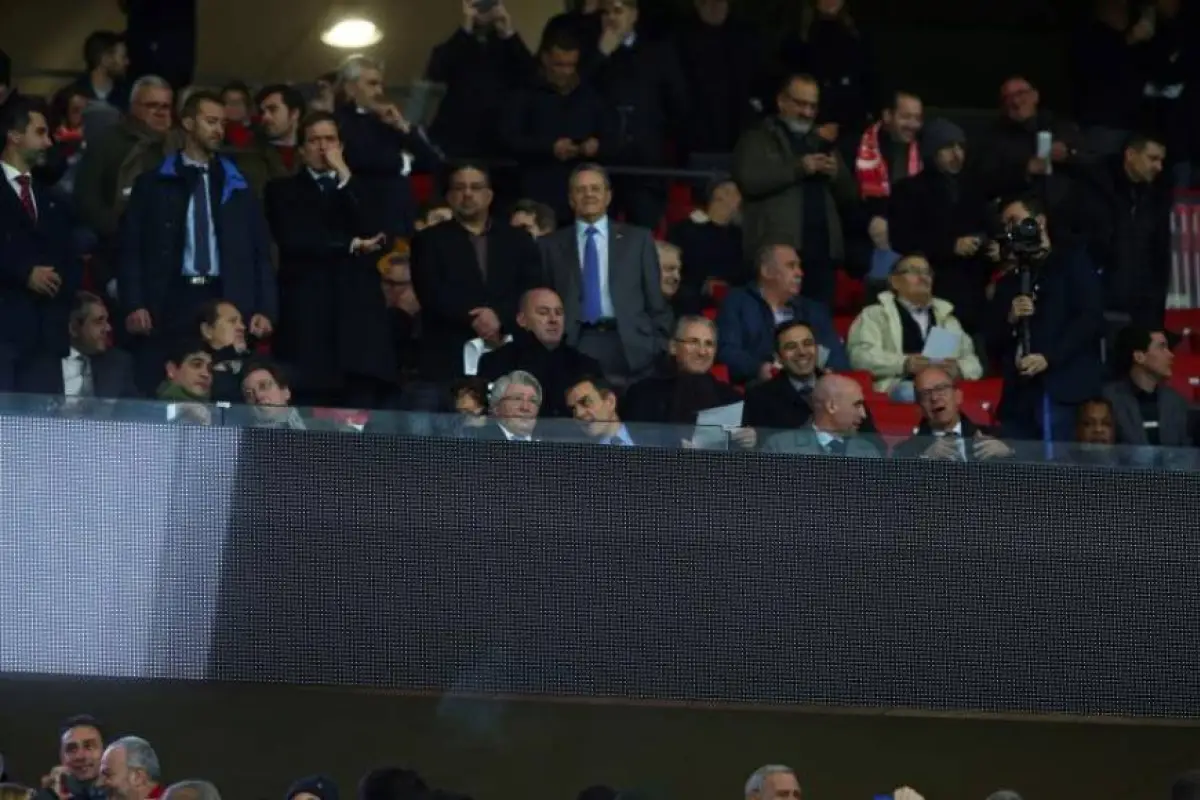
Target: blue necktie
x=202, y=225
x=593, y=310
x=836, y=447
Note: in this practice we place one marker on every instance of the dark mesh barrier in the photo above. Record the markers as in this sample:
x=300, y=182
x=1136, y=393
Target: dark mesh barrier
x=569, y=570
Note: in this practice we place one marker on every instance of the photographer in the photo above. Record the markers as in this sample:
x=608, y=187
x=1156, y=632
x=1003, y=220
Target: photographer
x=1047, y=325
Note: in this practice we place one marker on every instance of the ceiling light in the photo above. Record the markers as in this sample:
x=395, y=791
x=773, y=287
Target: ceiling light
x=352, y=33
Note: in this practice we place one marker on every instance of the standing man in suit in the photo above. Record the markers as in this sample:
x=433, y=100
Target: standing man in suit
x=469, y=275
x=838, y=411
x=38, y=273
x=90, y=368
x=334, y=329
x=193, y=232
x=607, y=275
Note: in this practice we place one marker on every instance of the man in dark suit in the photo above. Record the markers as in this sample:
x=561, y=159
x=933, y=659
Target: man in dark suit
x=90, y=369
x=469, y=275
x=1046, y=378
x=513, y=404
x=946, y=433
x=537, y=348
x=334, y=330
x=1147, y=411
x=193, y=232
x=38, y=273
x=376, y=136
x=593, y=403
x=607, y=275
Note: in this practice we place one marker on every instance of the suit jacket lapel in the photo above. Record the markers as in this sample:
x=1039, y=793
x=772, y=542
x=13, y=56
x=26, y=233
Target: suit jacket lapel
x=13, y=201
x=569, y=271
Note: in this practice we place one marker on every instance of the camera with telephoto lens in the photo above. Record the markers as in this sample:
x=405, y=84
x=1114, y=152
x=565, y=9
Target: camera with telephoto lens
x=1022, y=238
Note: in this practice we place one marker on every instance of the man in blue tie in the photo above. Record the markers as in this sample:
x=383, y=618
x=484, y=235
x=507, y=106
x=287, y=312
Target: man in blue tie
x=192, y=232
x=607, y=274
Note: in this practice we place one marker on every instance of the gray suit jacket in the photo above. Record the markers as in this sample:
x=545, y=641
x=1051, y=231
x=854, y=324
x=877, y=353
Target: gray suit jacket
x=643, y=317
x=803, y=441
x=1173, y=428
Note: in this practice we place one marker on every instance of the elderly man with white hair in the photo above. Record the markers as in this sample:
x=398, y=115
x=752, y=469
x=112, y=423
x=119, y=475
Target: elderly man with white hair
x=514, y=401
x=129, y=770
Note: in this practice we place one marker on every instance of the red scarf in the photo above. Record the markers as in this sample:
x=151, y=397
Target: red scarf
x=872, y=171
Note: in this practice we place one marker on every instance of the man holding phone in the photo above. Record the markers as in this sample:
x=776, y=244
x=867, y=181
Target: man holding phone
x=81, y=744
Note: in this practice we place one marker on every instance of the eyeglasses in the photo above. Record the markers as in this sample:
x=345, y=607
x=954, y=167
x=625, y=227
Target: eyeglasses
x=935, y=391
x=697, y=342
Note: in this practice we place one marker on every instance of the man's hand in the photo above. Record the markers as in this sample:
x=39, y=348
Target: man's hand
x=878, y=231
x=56, y=782
x=914, y=364
x=502, y=20
x=1038, y=166
x=390, y=114
x=1022, y=306
x=967, y=246
x=590, y=147
x=1142, y=31
x=367, y=245
x=814, y=163
x=44, y=280
x=951, y=367
x=565, y=149
x=766, y=371
x=1032, y=364
x=944, y=448
x=139, y=322
x=986, y=448
x=993, y=252
x=830, y=167
x=828, y=131
x=485, y=323
x=336, y=157
x=610, y=39
x=260, y=326
x=745, y=438
x=470, y=16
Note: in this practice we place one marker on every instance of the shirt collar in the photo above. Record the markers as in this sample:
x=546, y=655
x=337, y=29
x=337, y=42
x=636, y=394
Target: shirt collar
x=825, y=437
x=912, y=309
x=803, y=384
x=630, y=40
x=512, y=437
x=74, y=354
x=601, y=226
x=11, y=173
x=187, y=161
x=957, y=430
x=319, y=175
x=622, y=435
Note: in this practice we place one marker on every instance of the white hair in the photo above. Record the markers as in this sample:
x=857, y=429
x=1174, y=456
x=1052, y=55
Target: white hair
x=754, y=784
x=694, y=319
x=139, y=755
x=516, y=378
x=354, y=66
x=193, y=790
x=148, y=82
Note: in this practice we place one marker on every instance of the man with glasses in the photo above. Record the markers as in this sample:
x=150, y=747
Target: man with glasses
x=946, y=434
x=890, y=338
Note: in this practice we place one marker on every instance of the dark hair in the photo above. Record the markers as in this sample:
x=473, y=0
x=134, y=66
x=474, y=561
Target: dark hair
x=315, y=118
x=79, y=721
x=791, y=77
x=61, y=103
x=1033, y=204
x=905, y=258
x=601, y=384
x=559, y=39
x=235, y=86
x=892, y=100
x=18, y=113
x=289, y=95
x=703, y=193
x=1129, y=340
x=191, y=106
x=208, y=313
x=391, y=783
x=784, y=327
x=1141, y=139
x=275, y=369
x=1186, y=786
x=475, y=386
x=462, y=166
x=182, y=347
x=1092, y=401
x=543, y=215
x=98, y=44
x=80, y=303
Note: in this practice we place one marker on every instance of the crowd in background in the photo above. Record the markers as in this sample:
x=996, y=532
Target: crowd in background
x=267, y=247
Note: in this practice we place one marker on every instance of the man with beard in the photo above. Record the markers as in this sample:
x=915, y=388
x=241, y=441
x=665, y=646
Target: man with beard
x=81, y=743
x=537, y=348
x=40, y=274
x=792, y=180
x=194, y=232
x=129, y=770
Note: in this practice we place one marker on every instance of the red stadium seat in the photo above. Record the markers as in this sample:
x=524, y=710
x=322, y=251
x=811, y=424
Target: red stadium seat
x=679, y=201
x=849, y=294
x=864, y=379
x=981, y=399
x=711, y=313
x=422, y=187
x=720, y=372
x=1186, y=323
x=842, y=324
x=894, y=421
x=1185, y=376
x=719, y=291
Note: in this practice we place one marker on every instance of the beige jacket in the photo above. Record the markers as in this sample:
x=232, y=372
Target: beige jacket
x=875, y=343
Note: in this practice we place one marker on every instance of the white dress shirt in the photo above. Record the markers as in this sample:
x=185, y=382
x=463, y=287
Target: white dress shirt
x=11, y=174
x=922, y=316
x=601, y=237
x=76, y=370
x=956, y=431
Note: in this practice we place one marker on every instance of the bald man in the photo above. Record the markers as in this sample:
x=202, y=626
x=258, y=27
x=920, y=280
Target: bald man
x=838, y=411
x=538, y=348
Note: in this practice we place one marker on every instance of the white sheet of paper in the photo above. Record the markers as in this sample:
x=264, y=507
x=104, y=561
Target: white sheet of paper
x=940, y=343
x=729, y=416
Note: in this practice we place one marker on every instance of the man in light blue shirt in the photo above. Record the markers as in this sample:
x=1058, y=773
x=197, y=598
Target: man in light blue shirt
x=593, y=403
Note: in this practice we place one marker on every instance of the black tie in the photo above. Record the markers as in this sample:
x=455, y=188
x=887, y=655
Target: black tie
x=836, y=447
x=328, y=183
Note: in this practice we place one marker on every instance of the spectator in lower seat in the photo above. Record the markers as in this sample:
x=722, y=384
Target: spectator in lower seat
x=593, y=402
x=15, y=791
x=888, y=338
x=945, y=433
x=129, y=770
x=687, y=387
x=683, y=300
x=314, y=787
x=404, y=310
x=838, y=413
x=192, y=790
x=221, y=327
x=266, y=388
x=1186, y=786
x=773, y=782
x=91, y=368
x=188, y=372
x=711, y=239
x=469, y=397
x=536, y=219
x=537, y=347
x=1148, y=412
x=1095, y=435
x=513, y=405
x=750, y=313
x=80, y=745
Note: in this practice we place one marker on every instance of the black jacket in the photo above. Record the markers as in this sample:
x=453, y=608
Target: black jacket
x=557, y=370
x=923, y=439
x=643, y=83
x=112, y=376
x=449, y=283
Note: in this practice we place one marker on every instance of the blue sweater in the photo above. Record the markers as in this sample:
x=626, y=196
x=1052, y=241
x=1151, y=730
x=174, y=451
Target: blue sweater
x=746, y=332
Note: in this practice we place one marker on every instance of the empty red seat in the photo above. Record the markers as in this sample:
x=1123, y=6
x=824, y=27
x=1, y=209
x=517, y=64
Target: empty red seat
x=679, y=201
x=894, y=421
x=842, y=324
x=848, y=294
x=981, y=398
x=720, y=372
x=864, y=379
x=422, y=187
x=719, y=291
x=710, y=312
x=1185, y=375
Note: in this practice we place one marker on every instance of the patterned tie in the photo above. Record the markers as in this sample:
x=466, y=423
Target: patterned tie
x=27, y=197
x=202, y=223
x=593, y=310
